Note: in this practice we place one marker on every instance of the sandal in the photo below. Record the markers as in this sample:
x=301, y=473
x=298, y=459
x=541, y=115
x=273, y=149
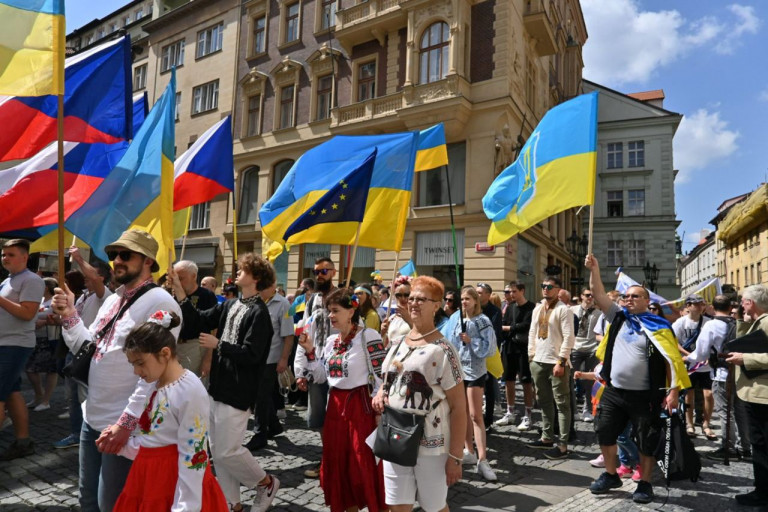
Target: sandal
x=691, y=431
x=708, y=433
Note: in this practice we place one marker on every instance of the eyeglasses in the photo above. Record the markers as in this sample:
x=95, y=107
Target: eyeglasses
x=419, y=300
x=633, y=296
x=402, y=295
x=124, y=255
x=323, y=271
x=547, y=287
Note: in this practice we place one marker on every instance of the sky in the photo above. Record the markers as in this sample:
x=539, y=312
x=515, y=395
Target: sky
x=709, y=58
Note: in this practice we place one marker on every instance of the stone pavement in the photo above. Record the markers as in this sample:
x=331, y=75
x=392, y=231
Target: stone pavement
x=47, y=481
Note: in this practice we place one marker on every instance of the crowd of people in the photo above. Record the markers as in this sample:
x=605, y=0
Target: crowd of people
x=174, y=373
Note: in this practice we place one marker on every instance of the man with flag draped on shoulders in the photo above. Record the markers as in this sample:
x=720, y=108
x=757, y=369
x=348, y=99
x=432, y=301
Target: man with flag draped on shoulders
x=643, y=373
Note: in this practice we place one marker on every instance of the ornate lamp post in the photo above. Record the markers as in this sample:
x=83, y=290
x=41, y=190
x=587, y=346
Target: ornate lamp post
x=651, y=275
x=577, y=247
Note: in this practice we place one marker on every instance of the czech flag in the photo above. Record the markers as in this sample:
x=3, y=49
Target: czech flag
x=97, y=105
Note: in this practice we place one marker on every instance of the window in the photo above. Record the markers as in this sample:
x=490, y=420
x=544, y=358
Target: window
x=636, y=253
x=205, y=97
x=615, y=153
x=614, y=252
x=172, y=55
x=200, y=216
x=615, y=203
x=139, y=14
x=127, y=20
x=433, y=187
x=328, y=18
x=281, y=171
x=249, y=192
x=433, y=53
x=254, y=115
x=759, y=273
x=292, y=23
x=366, y=81
x=259, y=35
x=324, y=96
x=140, y=77
x=286, y=107
x=113, y=28
x=101, y=32
x=177, y=110
x=636, y=153
x=209, y=40
x=530, y=83
x=636, y=202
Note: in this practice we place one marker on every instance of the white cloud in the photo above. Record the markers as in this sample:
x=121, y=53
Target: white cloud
x=702, y=139
x=627, y=44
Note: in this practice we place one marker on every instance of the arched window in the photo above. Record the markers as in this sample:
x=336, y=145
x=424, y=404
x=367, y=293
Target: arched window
x=281, y=170
x=433, y=53
x=249, y=193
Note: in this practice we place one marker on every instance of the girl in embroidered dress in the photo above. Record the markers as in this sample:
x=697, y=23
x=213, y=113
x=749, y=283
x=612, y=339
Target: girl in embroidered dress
x=170, y=469
x=351, y=364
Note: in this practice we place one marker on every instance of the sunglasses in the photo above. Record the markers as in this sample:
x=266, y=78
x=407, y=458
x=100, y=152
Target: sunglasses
x=547, y=287
x=633, y=296
x=124, y=255
x=448, y=299
x=587, y=295
x=653, y=309
x=402, y=295
x=485, y=286
x=323, y=271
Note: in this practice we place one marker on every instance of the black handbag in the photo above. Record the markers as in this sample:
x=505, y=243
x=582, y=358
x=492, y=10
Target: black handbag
x=398, y=437
x=80, y=365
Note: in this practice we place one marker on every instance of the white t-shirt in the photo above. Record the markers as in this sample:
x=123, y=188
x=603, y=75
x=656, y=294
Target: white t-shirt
x=684, y=328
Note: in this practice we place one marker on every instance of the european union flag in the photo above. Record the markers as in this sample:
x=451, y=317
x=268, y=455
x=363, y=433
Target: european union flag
x=344, y=202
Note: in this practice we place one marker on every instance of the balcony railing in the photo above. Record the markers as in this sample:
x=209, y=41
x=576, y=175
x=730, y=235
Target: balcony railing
x=369, y=109
x=365, y=10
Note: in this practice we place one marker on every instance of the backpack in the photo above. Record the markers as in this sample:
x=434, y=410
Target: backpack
x=675, y=454
x=714, y=360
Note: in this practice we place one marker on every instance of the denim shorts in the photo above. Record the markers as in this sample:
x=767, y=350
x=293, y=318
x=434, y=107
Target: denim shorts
x=13, y=360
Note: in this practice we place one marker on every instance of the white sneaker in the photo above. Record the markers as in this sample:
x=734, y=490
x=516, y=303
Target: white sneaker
x=525, y=424
x=587, y=417
x=507, y=419
x=265, y=494
x=42, y=407
x=280, y=414
x=598, y=462
x=484, y=469
x=64, y=415
x=469, y=458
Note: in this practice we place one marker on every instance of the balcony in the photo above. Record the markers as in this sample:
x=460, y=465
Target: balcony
x=356, y=24
x=539, y=26
x=368, y=110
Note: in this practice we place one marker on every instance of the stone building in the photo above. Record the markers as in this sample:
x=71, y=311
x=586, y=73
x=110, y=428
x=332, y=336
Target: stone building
x=699, y=265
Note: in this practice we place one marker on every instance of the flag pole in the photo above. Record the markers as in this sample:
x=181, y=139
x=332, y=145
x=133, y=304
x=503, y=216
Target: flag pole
x=453, y=229
x=60, y=186
x=392, y=284
x=591, y=224
x=354, y=254
x=184, y=237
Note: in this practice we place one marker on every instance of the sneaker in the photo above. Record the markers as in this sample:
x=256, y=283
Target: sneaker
x=587, y=417
x=41, y=407
x=281, y=414
x=507, y=419
x=17, y=451
x=719, y=455
x=598, y=462
x=484, y=469
x=469, y=458
x=68, y=442
x=624, y=471
x=643, y=493
x=525, y=424
x=63, y=416
x=541, y=445
x=556, y=453
x=604, y=483
x=265, y=494
x=297, y=407
x=312, y=473
x=752, y=499
x=637, y=475
x=32, y=404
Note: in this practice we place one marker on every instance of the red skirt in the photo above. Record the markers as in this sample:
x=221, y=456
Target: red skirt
x=151, y=484
x=349, y=474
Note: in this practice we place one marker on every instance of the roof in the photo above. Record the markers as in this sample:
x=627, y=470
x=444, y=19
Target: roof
x=657, y=94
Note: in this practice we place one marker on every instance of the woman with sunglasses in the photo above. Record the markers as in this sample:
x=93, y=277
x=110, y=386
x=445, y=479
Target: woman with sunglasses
x=350, y=362
x=655, y=308
x=423, y=376
x=472, y=334
x=398, y=323
x=451, y=303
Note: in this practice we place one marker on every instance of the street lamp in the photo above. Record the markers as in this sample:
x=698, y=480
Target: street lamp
x=577, y=247
x=651, y=275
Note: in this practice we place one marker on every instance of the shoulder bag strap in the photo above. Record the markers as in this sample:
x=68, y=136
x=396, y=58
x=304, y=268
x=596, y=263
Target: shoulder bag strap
x=144, y=289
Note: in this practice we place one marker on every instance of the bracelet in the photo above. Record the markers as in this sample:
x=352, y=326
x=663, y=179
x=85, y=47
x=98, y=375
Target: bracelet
x=458, y=460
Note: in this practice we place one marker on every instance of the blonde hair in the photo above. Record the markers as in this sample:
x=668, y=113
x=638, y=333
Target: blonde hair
x=472, y=292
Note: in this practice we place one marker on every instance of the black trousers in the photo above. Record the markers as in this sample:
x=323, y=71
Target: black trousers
x=758, y=432
x=265, y=415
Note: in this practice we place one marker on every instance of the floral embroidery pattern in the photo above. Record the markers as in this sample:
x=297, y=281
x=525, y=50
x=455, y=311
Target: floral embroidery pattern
x=199, y=459
x=337, y=364
x=149, y=418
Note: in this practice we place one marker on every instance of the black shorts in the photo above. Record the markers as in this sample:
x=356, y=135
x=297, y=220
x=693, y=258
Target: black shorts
x=702, y=380
x=642, y=408
x=477, y=383
x=515, y=362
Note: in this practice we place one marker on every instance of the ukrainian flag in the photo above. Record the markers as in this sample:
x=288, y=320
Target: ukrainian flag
x=138, y=193
x=32, y=47
x=432, y=152
x=659, y=331
x=322, y=167
x=554, y=171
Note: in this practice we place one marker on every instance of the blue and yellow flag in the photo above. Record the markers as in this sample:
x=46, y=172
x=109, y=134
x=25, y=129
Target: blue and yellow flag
x=342, y=207
x=138, y=193
x=32, y=47
x=432, y=152
x=322, y=167
x=409, y=269
x=554, y=171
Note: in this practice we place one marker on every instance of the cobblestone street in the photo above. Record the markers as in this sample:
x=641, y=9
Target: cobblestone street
x=47, y=481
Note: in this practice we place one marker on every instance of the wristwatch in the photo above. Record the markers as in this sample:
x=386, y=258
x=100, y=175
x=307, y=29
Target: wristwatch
x=561, y=361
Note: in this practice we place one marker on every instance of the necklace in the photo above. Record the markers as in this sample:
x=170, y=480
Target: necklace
x=423, y=335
